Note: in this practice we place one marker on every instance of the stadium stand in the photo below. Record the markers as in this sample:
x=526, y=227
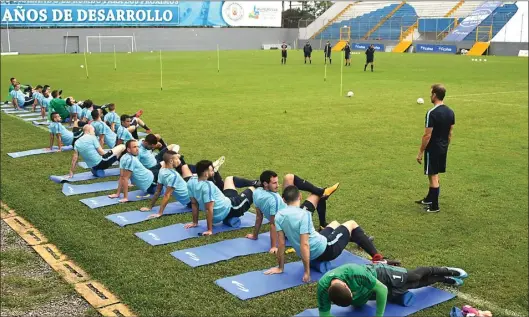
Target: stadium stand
x=496, y=20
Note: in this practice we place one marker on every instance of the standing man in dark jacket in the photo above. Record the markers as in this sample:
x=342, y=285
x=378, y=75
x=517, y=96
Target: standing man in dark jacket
x=370, y=56
x=327, y=50
x=347, y=50
x=307, y=50
x=284, y=47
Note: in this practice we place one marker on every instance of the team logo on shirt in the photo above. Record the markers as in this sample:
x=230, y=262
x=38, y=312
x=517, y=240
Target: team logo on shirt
x=234, y=11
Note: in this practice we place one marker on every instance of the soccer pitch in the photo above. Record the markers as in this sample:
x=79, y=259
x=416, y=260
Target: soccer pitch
x=264, y=115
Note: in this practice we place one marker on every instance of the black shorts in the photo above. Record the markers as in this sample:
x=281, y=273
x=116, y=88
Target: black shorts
x=284, y=54
x=347, y=56
x=337, y=240
x=155, y=171
x=394, y=278
x=239, y=203
x=77, y=133
x=434, y=163
x=370, y=60
x=328, y=55
x=108, y=159
x=307, y=55
x=307, y=205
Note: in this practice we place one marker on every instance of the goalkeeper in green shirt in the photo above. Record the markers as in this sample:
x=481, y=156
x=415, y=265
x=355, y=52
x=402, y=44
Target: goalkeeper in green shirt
x=354, y=285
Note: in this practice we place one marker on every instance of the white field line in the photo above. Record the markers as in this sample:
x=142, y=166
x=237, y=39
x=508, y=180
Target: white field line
x=489, y=93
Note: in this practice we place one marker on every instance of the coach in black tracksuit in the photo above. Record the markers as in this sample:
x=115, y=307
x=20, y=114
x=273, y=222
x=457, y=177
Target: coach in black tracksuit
x=347, y=50
x=327, y=51
x=307, y=51
x=370, y=56
x=284, y=53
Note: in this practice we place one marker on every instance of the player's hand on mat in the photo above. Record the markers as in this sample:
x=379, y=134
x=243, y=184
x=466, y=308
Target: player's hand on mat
x=70, y=175
x=274, y=270
x=273, y=250
x=145, y=209
x=123, y=200
x=306, y=277
x=156, y=215
x=59, y=150
x=113, y=196
x=207, y=233
x=419, y=158
x=48, y=148
x=190, y=225
x=251, y=236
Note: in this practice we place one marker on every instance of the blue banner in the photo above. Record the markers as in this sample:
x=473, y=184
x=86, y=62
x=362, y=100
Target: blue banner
x=364, y=46
x=434, y=48
x=138, y=13
x=471, y=22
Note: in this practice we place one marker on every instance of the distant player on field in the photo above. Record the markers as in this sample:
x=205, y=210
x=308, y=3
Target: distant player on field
x=327, y=50
x=347, y=50
x=307, y=51
x=440, y=121
x=370, y=56
x=284, y=47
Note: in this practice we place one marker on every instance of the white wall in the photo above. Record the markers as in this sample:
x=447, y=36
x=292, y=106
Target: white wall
x=516, y=29
x=321, y=21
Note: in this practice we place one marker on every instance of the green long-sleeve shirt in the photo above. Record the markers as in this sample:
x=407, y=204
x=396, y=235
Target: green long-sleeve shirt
x=361, y=280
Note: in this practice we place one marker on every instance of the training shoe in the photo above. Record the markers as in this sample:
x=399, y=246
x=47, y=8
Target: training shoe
x=218, y=163
x=429, y=208
x=457, y=281
x=462, y=273
x=330, y=190
x=139, y=113
x=423, y=202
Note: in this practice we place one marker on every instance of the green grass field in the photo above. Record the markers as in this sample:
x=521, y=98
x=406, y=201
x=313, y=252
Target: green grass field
x=262, y=115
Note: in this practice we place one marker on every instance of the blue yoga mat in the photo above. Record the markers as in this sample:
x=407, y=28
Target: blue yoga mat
x=86, y=176
x=177, y=232
x=13, y=111
x=84, y=165
x=223, y=250
x=32, y=114
x=424, y=297
x=70, y=190
x=38, y=151
x=35, y=117
x=256, y=283
x=103, y=201
x=131, y=217
x=42, y=122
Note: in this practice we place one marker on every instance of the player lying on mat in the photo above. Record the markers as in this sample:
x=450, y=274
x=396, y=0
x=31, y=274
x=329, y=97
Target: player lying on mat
x=268, y=202
x=175, y=183
x=19, y=99
x=113, y=119
x=128, y=128
x=132, y=169
x=102, y=131
x=296, y=225
x=64, y=137
x=354, y=285
x=218, y=205
x=93, y=154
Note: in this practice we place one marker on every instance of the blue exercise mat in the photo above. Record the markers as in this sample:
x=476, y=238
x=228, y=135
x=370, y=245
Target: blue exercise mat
x=424, y=297
x=32, y=114
x=13, y=111
x=86, y=176
x=223, y=250
x=38, y=151
x=35, y=117
x=177, y=232
x=103, y=201
x=70, y=190
x=84, y=165
x=131, y=217
x=256, y=283
x=42, y=122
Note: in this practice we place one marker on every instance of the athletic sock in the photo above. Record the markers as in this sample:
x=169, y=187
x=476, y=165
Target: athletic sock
x=162, y=142
x=371, y=67
x=365, y=67
x=435, y=198
x=182, y=160
x=322, y=212
x=303, y=185
x=217, y=180
x=135, y=134
x=310, y=61
x=359, y=237
x=240, y=182
x=330, y=61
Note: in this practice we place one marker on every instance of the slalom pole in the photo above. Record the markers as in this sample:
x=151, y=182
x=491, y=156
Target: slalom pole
x=115, y=61
x=161, y=71
x=85, y=65
x=341, y=75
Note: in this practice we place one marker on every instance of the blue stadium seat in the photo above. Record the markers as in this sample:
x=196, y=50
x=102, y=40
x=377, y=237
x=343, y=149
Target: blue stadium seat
x=390, y=30
x=497, y=20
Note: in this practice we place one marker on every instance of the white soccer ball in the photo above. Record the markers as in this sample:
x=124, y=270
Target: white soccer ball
x=350, y=94
x=420, y=101
x=480, y=59
x=485, y=60
x=128, y=52
x=82, y=66
x=151, y=51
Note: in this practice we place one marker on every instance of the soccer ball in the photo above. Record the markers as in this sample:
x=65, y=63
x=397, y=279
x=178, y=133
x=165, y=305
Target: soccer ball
x=350, y=94
x=420, y=101
x=485, y=60
x=82, y=66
